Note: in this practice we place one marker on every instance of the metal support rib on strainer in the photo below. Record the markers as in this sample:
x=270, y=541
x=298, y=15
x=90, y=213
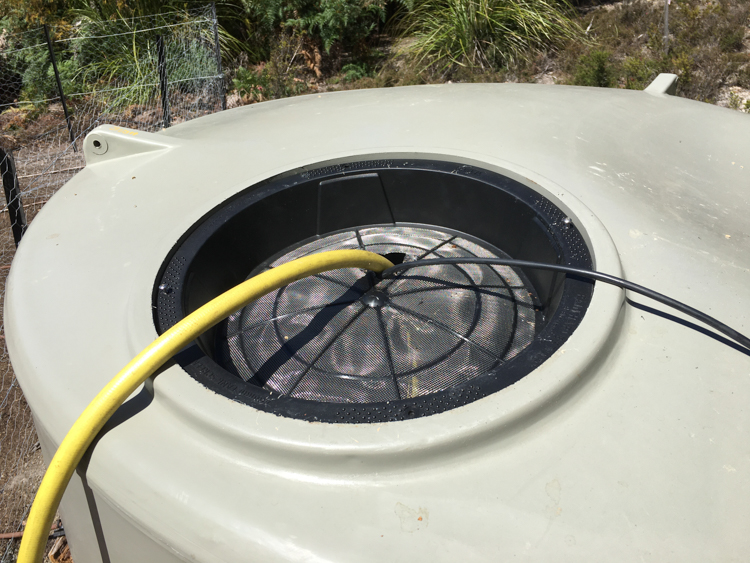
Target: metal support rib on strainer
x=346, y=337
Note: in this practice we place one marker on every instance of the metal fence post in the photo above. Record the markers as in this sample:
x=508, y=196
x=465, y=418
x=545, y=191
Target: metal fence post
x=166, y=117
x=59, y=87
x=666, y=26
x=16, y=214
x=217, y=47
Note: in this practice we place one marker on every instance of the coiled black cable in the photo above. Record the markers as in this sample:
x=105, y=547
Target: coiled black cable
x=581, y=272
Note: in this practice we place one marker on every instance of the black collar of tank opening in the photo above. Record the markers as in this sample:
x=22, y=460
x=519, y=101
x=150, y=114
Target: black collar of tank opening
x=417, y=177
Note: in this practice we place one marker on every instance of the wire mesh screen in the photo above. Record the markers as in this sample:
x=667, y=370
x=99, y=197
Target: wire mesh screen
x=56, y=84
x=348, y=337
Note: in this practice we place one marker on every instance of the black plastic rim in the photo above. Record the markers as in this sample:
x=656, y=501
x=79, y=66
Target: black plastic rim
x=268, y=217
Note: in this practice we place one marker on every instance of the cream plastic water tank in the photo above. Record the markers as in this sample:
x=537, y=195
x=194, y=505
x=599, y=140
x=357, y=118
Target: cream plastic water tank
x=425, y=425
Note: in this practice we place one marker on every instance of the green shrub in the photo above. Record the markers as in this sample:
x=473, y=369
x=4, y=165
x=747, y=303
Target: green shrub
x=639, y=72
x=682, y=64
x=37, y=73
x=731, y=41
x=354, y=71
x=734, y=101
x=595, y=69
x=275, y=78
x=327, y=22
x=250, y=85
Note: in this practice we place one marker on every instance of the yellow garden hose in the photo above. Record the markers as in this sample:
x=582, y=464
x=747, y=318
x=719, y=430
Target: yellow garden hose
x=96, y=414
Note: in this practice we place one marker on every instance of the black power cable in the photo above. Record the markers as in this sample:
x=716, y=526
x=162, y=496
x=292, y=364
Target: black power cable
x=590, y=274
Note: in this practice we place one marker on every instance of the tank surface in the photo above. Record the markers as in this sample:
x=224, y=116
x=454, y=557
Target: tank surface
x=630, y=442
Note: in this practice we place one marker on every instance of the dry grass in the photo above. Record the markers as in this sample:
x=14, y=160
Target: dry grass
x=706, y=45
x=709, y=50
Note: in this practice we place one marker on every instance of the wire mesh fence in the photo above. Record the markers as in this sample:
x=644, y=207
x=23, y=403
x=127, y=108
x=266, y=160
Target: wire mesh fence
x=56, y=84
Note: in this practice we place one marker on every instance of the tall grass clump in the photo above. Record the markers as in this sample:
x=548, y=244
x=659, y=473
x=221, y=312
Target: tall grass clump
x=486, y=34
x=118, y=58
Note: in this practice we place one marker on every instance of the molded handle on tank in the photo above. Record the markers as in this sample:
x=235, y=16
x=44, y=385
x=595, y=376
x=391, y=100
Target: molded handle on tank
x=663, y=85
x=110, y=141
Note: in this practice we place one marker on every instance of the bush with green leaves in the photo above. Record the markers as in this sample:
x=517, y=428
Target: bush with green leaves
x=250, y=84
x=354, y=71
x=32, y=69
x=596, y=69
x=486, y=33
x=38, y=75
x=329, y=22
x=274, y=78
x=638, y=72
x=266, y=83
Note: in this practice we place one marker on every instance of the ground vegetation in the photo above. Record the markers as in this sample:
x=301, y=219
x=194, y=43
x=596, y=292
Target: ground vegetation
x=279, y=48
